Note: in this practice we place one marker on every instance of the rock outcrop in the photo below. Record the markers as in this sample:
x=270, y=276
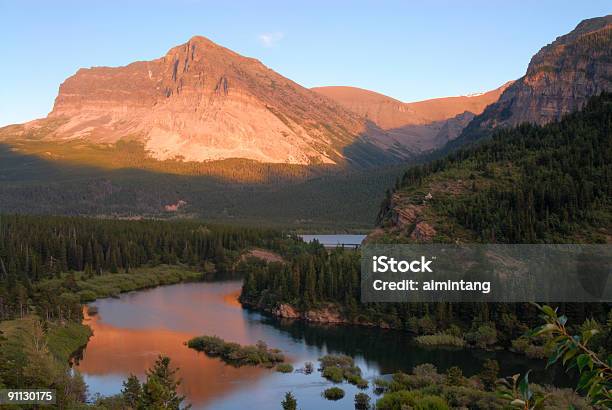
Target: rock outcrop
x=560, y=78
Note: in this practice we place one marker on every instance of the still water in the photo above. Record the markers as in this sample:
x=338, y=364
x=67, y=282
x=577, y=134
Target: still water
x=130, y=331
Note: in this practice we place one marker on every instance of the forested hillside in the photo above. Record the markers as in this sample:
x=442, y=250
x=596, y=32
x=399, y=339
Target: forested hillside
x=43, y=250
x=52, y=178
x=530, y=184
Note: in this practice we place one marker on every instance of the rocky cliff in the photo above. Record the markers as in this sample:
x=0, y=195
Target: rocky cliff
x=560, y=79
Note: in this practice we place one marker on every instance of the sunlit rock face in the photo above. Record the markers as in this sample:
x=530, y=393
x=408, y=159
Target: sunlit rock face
x=560, y=78
x=204, y=102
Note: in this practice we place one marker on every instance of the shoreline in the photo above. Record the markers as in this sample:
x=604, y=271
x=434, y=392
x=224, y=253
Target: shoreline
x=331, y=315
x=158, y=276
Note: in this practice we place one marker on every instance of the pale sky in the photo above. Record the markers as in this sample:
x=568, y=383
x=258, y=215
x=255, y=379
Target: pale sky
x=409, y=50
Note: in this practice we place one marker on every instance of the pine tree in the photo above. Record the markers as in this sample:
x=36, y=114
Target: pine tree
x=489, y=374
x=289, y=403
x=132, y=392
x=160, y=389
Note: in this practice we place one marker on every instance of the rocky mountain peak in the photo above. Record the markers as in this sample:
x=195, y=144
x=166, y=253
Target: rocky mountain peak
x=201, y=102
x=560, y=78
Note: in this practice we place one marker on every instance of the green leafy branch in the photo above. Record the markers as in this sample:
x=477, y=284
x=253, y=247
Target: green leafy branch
x=595, y=373
x=519, y=394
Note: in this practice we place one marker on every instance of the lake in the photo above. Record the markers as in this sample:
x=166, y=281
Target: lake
x=130, y=331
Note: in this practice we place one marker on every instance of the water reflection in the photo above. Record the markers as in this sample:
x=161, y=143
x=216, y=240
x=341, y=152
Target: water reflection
x=115, y=352
x=129, y=333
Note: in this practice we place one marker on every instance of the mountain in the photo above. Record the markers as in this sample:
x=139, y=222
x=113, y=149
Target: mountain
x=529, y=184
x=422, y=125
x=200, y=102
x=560, y=78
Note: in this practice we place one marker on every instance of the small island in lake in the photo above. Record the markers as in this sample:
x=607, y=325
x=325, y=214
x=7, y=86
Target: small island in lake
x=236, y=354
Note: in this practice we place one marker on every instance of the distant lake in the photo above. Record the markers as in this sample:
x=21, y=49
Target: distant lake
x=130, y=331
x=331, y=241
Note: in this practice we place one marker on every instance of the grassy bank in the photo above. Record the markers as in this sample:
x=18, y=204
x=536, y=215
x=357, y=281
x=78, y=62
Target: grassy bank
x=62, y=340
x=34, y=354
x=35, y=350
x=91, y=287
x=440, y=339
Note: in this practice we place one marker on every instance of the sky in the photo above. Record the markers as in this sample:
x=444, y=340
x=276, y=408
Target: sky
x=409, y=50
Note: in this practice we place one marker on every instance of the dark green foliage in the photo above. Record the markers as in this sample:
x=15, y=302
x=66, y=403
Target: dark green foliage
x=35, y=249
x=237, y=355
x=315, y=278
x=333, y=393
x=337, y=368
x=454, y=376
x=489, y=374
x=574, y=351
x=132, y=392
x=232, y=191
x=158, y=392
x=530, y=184
x=362, y=402
x=483, y=335
x=289, y=403
x=311, y=276
x=160, y=389
x=284, y=368
x=33, y=355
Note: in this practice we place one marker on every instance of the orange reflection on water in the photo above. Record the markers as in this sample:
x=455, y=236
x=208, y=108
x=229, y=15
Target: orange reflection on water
x=121, y=351
x=232, y=299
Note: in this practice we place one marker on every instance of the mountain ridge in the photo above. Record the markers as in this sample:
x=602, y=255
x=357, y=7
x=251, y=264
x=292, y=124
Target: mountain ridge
x=204, y=102
x=423, y=125
x=559, y=79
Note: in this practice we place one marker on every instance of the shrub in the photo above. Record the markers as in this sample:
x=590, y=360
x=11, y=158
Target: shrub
x=339, y=367
x=426, y=325
x=431, y=403
x=235, y=354
x=339, y=360
x=284, y=368
x=454, y=376
x=362, y=384
x=87, y=296
x=484, y=336
x=380, y=385
x=334, y=374
x=489, y=374
x=362, y=401
x=440, y=339
x=410, y=399
x=333, y=393
x=530, y=349
x=398, y=400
